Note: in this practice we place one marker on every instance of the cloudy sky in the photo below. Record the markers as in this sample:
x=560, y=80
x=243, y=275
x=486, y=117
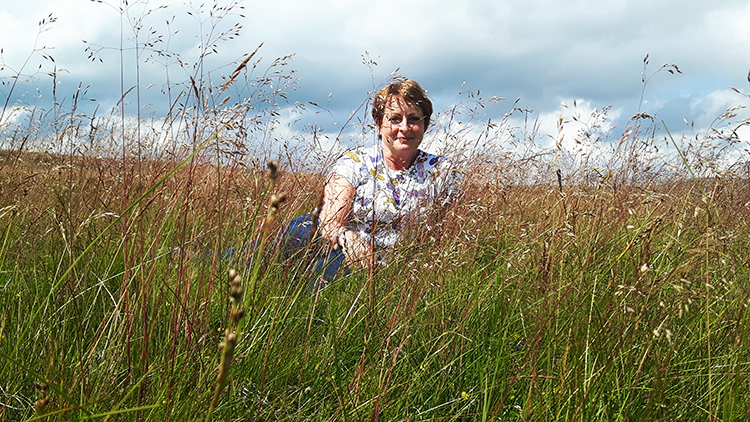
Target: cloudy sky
x=544, y=52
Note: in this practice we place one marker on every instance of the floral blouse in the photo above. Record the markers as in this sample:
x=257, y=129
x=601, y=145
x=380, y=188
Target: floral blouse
x=384, y=198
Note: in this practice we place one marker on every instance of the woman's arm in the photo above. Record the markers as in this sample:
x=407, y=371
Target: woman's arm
x=338, y=197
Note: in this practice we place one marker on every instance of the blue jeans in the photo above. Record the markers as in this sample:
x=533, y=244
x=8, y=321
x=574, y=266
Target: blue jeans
x=297, y=240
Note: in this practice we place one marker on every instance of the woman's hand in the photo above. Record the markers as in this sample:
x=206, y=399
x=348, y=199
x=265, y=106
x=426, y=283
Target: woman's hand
x=357, y=252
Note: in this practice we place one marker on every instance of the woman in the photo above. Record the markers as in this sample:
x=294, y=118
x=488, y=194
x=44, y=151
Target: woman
x=373, y=191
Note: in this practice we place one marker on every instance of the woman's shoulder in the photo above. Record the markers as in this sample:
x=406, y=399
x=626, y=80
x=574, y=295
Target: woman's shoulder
x=361, y=155
x=429, y=161
x=356, y=164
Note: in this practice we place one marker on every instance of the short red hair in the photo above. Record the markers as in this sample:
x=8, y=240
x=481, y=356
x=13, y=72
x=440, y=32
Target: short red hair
x=409, y=91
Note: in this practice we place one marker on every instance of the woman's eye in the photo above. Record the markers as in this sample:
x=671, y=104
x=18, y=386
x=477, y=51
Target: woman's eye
x=395, y=120
x=413, y=120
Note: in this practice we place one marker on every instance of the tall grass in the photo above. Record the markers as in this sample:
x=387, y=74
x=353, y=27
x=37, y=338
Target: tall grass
x=527, y=303
x=610, y=285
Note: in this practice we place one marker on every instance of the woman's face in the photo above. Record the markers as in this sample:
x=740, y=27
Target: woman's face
x=402, y=129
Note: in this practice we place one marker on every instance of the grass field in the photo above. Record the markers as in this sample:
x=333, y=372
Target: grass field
x=581, y=302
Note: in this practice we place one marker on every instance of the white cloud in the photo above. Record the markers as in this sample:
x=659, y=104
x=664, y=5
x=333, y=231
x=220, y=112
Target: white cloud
x=716, y=103
x=12, y=115
x=563, y=128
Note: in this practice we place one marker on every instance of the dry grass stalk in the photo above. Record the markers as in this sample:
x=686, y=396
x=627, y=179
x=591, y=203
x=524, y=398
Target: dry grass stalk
x=230, y=337
x=40, y=405
x=239, y=68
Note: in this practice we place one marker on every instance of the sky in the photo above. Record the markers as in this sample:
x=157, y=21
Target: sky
x=550, y=54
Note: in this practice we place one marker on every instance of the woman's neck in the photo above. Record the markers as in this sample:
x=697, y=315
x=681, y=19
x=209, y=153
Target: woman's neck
x=399, y=162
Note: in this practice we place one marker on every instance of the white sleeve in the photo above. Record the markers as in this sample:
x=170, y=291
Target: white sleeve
x=349, y=167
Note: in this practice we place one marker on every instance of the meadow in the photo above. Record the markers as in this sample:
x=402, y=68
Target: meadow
x=560, y=286
x=518, y=302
